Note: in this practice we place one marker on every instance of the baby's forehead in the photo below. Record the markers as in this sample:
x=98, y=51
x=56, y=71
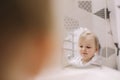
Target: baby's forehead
x=87, y=40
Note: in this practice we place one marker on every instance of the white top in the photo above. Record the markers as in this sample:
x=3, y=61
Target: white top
x=77, y=61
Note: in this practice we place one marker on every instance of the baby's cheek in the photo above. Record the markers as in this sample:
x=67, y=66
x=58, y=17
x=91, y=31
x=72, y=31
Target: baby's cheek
x=91, y=53
x=80, y=50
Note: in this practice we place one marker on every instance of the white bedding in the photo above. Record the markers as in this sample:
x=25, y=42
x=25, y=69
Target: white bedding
x=95, y=73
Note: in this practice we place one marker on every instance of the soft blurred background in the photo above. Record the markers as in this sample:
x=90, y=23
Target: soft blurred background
x=74, y=16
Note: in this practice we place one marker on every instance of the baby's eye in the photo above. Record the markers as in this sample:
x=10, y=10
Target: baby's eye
x=81, y=46
x=88, y=47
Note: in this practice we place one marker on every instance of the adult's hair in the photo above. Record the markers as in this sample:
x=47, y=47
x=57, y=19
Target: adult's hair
x=19, y=18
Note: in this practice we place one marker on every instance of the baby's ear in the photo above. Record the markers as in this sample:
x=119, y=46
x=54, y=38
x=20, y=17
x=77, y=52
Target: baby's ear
x=97, y=50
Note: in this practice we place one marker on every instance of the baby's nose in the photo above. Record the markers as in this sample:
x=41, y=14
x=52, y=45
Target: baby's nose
x=83, y=49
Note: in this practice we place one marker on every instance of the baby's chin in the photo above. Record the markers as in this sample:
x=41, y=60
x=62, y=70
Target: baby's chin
x=84, y=54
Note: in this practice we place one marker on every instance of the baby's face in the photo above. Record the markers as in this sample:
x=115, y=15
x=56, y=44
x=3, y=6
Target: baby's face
x=87, y=47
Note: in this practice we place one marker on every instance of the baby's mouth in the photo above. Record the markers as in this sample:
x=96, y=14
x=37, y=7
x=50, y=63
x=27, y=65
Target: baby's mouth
x=84, y=53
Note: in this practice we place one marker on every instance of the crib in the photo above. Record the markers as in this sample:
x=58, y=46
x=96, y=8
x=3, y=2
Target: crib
x=93, y=73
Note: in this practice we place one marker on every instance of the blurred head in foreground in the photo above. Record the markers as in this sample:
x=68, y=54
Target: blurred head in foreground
x=26, y=37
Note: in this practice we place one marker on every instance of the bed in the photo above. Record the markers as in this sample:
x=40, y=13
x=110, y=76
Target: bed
x=93, y=73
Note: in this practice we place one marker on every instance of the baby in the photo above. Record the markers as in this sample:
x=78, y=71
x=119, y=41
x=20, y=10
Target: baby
x=88, y=50
x=89, y=46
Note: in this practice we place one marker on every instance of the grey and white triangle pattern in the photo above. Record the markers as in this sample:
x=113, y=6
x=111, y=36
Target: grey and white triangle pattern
x=71, y=23
x=119, y=6
x=101, y=13
x=86, y=5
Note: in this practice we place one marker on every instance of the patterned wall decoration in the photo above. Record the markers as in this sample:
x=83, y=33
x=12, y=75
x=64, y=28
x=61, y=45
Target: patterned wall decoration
x=119, y=6
x=111, y=51
x=101, y=13
x=71, y=24
x=86, y=5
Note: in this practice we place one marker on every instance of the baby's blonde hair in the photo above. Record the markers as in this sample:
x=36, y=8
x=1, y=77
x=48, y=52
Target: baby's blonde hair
x=89, y=33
